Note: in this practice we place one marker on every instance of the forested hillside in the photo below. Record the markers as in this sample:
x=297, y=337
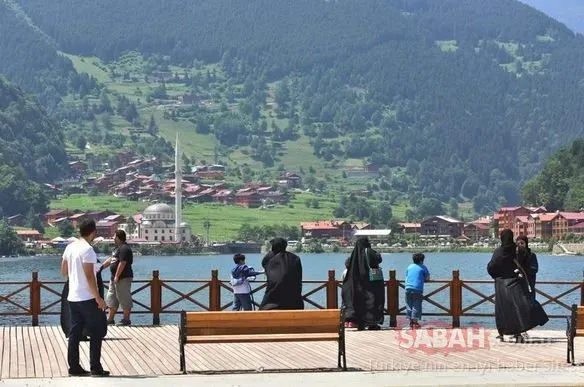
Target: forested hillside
x=569, y=12
x=31, y=149
x=30, y=59
x=459, y=99
x=560, y=185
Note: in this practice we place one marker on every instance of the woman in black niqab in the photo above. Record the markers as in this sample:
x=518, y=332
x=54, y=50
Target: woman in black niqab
x=516, y=311
x=284, y=278
x=363, y=300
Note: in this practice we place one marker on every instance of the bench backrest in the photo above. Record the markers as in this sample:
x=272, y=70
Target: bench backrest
x=579, y=317
x=261, y=322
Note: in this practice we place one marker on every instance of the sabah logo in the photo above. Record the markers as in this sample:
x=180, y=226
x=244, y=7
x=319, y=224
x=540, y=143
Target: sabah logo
x=437, y=337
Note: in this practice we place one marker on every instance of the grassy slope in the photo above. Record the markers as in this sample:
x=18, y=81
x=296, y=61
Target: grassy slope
x=225, y=220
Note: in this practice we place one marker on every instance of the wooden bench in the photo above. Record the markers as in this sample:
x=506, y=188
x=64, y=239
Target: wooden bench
x=262, y=327
x=575, y=329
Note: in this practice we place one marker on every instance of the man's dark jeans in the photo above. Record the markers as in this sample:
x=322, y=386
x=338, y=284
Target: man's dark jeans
x=86, y=314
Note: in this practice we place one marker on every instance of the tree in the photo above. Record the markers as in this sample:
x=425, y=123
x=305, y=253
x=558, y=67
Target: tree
x=131, y=227
x=10, y=242
x=81, y=143
x=66, y=229
x=34, y=221
x=385, y=213
x=207, y=227
x=152, y=126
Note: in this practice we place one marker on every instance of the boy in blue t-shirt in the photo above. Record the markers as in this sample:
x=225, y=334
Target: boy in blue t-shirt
x=240, y=276
x=416, y=274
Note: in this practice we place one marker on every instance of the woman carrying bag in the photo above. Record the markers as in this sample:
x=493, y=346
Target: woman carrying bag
x=363, y=288
x=516, y=310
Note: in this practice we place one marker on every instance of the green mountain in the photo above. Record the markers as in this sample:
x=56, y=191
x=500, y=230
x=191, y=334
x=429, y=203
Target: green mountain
x=569, y=12
x=31, y=150
x=29, y=58
x=457, y=99
x=560, y=185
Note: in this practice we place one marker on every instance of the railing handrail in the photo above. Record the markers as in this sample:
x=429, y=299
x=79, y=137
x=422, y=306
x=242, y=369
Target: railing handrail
x=455, y=286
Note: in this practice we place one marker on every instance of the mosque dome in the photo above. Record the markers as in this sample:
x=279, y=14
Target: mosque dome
x=158, y=211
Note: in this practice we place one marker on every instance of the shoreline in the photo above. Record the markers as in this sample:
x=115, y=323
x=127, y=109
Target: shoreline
x=390, y=250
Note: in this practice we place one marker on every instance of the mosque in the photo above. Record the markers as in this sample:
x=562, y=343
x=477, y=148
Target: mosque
x=159, y=225
x=160, y=222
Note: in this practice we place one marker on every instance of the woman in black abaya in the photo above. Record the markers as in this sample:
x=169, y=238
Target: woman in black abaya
x=516, y=311
x=284, y=278
x=363, y=299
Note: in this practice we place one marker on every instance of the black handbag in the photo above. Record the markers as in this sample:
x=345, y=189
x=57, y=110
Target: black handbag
x=375, y=274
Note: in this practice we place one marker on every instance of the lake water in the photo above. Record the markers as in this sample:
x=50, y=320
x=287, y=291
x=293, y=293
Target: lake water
x=315, y=267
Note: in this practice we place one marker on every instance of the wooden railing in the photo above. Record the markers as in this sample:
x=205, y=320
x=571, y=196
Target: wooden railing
x=167, y=297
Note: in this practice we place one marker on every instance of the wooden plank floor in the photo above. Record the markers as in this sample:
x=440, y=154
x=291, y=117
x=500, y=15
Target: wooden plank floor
x=34, y=352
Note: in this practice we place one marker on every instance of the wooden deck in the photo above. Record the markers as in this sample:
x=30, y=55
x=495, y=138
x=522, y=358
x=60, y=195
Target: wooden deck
x=34, y=352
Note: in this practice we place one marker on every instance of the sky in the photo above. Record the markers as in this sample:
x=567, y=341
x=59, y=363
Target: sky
x=569, y=12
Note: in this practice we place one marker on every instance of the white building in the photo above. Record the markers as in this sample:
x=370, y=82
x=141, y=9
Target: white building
x=158, y=225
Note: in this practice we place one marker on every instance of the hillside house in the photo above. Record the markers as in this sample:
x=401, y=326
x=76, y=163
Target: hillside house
x=78, y=167
x=410, y=228
x=76, y=219
x=442, y=226
x=52, y=216
x=506, y=217
x=250, y=199
x=29, y=235
x=18, y=220
x=224, y=197
x=326, y=229
x=290, y=180
x=476, y=231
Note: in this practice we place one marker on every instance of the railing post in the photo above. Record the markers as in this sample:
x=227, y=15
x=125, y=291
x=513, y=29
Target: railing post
x=582, y=290
x=456, y=299
x=35, y=298
x=155, y=297
x=332, y=298
x=214, y=292
x=392, y=299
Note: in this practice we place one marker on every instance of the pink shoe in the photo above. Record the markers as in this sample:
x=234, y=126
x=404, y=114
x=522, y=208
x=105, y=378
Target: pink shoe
x=349, y=324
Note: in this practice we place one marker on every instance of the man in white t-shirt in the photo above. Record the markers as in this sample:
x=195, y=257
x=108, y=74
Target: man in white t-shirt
x=87, y=308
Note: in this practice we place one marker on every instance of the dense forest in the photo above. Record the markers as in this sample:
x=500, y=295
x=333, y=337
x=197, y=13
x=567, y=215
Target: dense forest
x=560, y=185
x=31, y=150
x=30, y=58
x=468, y=97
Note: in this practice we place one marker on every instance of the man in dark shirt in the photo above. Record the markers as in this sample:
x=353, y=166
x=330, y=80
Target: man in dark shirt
x=120, y=289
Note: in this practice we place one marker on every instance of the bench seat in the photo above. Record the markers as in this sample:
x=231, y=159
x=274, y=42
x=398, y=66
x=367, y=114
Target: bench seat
x=262, y=338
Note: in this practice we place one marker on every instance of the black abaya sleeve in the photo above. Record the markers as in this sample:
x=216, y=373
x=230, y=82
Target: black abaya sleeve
x=494, y=265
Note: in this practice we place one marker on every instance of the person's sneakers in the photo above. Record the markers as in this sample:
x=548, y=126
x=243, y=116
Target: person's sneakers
x=100, y=374
x=78, y=372
x=111, y=322
x=124, y=323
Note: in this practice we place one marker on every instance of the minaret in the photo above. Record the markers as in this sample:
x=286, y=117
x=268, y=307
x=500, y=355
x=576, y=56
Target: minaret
x=177, y=193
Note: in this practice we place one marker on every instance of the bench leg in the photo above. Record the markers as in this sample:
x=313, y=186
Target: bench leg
x=342, y=358
x=572, y=349
x=183, y=367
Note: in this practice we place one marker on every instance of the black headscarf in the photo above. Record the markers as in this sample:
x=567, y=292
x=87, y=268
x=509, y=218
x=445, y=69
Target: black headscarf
x=501, y=263
x=507, y=241
x=278, y=245
x=284, y=278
